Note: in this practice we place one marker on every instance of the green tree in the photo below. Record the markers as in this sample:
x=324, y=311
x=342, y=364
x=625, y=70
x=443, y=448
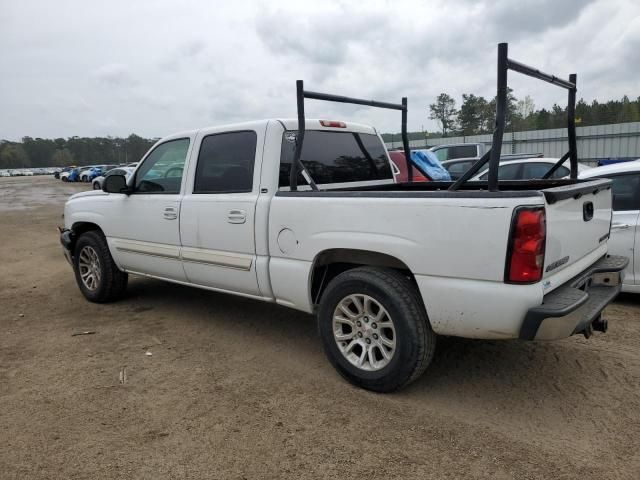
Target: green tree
x=13, y=156
x=444, y=111
x=471, y=117
x=62, y=158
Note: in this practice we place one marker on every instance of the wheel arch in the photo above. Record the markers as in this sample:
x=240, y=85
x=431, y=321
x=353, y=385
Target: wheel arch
x=80, y=227
x=329, y=263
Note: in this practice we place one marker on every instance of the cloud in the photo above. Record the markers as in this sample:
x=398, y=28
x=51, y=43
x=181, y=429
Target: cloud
x=113, y=75
x=155, y=69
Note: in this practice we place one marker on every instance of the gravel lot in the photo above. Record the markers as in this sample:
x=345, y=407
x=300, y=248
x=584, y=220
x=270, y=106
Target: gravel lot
x=240, y=389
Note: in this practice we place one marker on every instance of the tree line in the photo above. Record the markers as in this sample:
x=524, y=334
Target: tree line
x=476, y=115
x=61, y=152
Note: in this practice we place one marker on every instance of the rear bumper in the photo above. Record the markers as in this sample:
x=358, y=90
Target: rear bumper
x=575, y=306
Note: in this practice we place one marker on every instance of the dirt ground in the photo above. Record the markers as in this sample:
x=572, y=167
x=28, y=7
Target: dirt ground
x=240, y=389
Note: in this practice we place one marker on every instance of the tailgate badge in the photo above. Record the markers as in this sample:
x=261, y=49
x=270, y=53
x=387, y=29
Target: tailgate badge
x=557, y=263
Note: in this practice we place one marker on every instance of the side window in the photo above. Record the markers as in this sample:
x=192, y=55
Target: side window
x=463, y=151
x=457, y=169
x=336, y=157
x=561, y=173
x=505, y=172
x=536, y=170
x=626, y=192
x=509, y=172
x=161, y=171
x=442, y=154
x=225, y=163
x=114, y=171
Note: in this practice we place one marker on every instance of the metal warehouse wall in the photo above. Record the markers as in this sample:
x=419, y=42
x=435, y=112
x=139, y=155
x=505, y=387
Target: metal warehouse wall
x=620, y=140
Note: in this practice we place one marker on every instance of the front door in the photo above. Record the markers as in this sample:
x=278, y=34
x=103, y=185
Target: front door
x=218, y=210
x=626, y=209
x=145, y=235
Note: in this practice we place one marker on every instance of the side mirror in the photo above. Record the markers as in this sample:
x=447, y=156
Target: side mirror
x=115, y=184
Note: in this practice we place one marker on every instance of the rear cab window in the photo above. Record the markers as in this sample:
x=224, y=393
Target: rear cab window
x=336, y=158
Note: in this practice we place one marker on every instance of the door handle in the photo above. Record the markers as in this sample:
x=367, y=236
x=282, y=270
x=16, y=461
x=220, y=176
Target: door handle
x=237, y=216
x=170, y=213
x=620, y=226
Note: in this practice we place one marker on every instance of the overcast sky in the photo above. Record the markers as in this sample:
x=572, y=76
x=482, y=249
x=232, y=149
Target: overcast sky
x=152, y=68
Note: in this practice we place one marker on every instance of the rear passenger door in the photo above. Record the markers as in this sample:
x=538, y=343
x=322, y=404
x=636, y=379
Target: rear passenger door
x=217, y=216
x=624, y=226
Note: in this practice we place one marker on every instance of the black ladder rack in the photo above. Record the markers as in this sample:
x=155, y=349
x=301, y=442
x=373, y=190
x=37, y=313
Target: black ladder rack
x=493, y=155
x=297, y=165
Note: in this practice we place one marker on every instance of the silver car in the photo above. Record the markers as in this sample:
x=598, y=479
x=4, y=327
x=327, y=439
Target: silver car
x=126, y=171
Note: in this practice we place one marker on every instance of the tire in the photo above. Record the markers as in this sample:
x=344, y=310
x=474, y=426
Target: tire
x=96, y=186
x=414, y=341
x=65, y=179
x=93, y=260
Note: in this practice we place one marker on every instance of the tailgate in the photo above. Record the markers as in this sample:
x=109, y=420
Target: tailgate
x=578, y=222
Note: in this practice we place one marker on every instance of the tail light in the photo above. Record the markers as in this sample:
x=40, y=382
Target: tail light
x=525, y=256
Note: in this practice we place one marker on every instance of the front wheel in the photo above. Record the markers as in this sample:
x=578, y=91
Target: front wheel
x=96, y=186
x=374, y=328
x=97, y=275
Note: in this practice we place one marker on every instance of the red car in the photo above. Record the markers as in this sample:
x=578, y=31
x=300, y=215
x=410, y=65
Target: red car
x=399, y=167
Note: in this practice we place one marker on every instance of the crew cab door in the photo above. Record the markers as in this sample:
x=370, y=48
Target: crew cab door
x=218, y=210
x=144, y=231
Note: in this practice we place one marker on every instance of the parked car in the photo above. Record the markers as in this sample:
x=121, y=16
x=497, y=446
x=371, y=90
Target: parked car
x=85, y=171
x=72, y=175
x=4, y=173
x=98, y=181
x=529, y=168
x=58, y=172
x=459, y=166
x=625, y=232
x=306, y=213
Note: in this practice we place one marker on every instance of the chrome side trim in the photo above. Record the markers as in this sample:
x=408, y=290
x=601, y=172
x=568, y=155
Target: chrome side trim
x=237, y=261
x=217, y=258
x=147, y=248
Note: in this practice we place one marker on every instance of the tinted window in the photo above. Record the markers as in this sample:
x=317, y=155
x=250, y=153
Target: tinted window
x=442, y=154
x=626, y=192
x=225, y=163
x=561, y=173
x=161, y=171
x=535, y=170
x=458, y=151
x=539, y=169
x=336, y=157
x=457, y=169
x=506, y=172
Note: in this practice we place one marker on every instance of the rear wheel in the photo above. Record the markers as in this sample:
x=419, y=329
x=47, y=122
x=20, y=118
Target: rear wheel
x=97, y=275
x=96, y=186
x=374, y=328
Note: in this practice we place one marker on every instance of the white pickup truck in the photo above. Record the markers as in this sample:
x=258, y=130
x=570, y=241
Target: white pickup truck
x=385, y=267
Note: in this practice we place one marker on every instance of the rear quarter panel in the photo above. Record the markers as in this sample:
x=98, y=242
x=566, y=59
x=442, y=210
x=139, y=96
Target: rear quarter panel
x=440, y=240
